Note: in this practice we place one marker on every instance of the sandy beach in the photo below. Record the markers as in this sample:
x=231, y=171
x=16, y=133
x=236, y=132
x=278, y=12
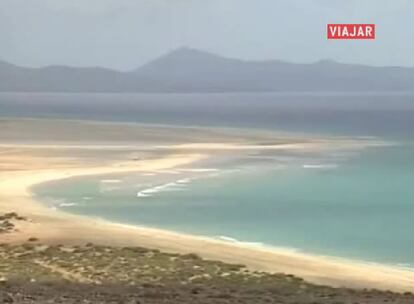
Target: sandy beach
x=29, y=156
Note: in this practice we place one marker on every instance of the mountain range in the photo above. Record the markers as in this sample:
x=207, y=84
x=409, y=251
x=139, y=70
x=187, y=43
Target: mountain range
x=188, y=70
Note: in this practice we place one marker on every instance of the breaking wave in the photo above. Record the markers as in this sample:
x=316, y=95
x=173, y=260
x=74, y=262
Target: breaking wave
x=111, y=181
x=171, y=186
x=320, y=166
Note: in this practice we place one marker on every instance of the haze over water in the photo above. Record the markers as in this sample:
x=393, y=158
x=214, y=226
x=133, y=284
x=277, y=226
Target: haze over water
x=356, y=205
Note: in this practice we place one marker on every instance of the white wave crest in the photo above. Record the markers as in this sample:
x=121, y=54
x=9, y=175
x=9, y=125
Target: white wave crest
x=63, y=205
x=228, y=239
x=320, y=166
x=172, y=186
x=183, y=181
x=236, y=241
x=111, y=181
x=143, y=194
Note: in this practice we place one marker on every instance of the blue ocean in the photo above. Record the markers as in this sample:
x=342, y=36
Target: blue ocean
x=357, y=205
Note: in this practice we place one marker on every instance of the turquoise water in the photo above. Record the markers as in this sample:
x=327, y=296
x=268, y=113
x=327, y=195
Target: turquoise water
x=357, y=205
x=360, y=206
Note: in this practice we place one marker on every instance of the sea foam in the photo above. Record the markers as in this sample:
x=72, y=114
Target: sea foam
x=171, y=186
x=111, y=181
x=320, y=166
x=67, y=205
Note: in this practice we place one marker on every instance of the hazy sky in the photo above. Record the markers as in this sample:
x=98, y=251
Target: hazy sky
x=124, y=34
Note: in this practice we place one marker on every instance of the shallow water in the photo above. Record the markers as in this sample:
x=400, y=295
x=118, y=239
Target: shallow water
x=358, y=207
x=355, y=205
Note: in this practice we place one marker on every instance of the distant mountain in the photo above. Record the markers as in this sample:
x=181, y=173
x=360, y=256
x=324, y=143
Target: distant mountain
x=64, y=79
x=189, y=70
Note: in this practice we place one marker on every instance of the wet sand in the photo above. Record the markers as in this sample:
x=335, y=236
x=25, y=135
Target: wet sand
x=36, y=151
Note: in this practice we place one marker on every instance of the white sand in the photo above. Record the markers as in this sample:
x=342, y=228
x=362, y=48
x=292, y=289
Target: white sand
x=22, y=167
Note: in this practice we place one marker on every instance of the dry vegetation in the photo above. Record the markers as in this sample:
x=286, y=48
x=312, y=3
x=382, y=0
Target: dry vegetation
x=37, y=273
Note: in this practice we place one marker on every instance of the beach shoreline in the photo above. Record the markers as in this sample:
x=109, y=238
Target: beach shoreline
x=56, y=227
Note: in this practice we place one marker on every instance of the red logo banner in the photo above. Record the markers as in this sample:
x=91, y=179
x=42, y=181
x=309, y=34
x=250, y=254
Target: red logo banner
x=351, y=31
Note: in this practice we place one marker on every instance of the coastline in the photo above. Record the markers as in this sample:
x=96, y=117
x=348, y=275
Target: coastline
x=57, y=227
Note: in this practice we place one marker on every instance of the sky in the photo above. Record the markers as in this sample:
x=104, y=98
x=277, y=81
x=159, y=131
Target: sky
x=124, y=34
